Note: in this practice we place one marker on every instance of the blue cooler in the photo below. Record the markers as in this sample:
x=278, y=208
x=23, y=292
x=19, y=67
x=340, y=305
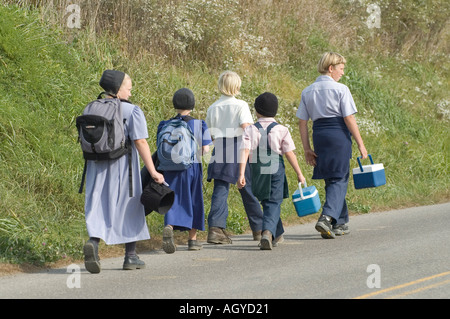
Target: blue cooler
x=369, y=175
x=306, y=201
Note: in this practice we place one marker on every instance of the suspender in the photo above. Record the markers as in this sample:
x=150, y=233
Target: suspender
x=265, y=135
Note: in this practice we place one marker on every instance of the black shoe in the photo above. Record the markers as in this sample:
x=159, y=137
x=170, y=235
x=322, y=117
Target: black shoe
x=194, y=245
x=133, y=262
x=168, y=243
x=324, y=227
x=91, y=259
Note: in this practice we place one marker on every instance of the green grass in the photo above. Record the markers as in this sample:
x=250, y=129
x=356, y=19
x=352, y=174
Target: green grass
x=48, y=75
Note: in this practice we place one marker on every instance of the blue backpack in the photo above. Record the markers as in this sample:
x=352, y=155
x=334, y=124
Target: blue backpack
x=176, y=145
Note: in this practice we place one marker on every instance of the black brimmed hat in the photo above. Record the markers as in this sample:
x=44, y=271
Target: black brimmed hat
x=155, y=197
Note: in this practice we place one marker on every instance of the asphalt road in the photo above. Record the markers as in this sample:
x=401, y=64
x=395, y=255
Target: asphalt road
x=396, y=254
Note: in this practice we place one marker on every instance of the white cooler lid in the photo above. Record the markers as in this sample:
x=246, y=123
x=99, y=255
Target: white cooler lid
x=368, y=169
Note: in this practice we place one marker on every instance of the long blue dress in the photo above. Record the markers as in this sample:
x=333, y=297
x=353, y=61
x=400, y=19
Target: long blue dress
x=111, y=214
x=187, y=211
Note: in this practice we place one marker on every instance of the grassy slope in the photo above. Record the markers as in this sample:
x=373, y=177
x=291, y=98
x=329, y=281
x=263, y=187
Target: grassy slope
x=45, y=80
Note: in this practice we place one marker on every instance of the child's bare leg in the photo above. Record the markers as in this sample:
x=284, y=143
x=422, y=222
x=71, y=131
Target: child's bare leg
x=193, y=234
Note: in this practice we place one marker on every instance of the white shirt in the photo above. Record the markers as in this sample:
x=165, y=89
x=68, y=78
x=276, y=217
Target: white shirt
x=225, y=117
x=325, y=98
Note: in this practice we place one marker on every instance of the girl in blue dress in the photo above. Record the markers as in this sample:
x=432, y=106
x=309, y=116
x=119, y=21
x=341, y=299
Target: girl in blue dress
x=187, y=211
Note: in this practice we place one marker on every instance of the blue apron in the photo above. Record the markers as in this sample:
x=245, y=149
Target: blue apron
x=224, y=164
x=333, y=146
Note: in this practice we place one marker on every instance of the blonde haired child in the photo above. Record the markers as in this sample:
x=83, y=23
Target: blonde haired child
x=226, y=118
x=330, y=105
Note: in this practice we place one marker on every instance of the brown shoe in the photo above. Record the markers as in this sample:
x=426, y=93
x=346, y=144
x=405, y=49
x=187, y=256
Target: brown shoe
x=277, y=241
x=266, y=240
x=217, y=235
x=257, y=235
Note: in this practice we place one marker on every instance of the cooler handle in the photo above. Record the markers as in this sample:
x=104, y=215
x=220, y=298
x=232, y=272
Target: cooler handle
x=300, y=189
x=359, y=162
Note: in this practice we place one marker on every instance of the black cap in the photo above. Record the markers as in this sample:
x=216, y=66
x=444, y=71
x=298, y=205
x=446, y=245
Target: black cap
x=183, y=99
x=266, y=104
x=111, y=81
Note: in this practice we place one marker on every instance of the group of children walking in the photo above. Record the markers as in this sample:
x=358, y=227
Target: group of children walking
x=229, y=126
x=245, y=153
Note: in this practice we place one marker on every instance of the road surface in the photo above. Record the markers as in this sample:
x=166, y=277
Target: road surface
x=396, y=254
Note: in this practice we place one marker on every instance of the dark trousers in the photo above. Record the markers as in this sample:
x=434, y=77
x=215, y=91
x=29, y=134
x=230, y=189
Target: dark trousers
x=272, y=206
x=218, y=213
x=335, y=204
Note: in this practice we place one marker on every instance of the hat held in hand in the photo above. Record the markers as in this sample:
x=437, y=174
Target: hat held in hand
x=155, y=197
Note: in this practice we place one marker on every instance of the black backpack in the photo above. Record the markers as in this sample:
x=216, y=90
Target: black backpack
x=101, y=133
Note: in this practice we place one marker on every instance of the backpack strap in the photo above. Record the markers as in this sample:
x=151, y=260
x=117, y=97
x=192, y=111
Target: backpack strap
x=130, y=174
x=106, y=93
x=83, y=177
x=185, y=118
x=130, y=171
x=130, y=154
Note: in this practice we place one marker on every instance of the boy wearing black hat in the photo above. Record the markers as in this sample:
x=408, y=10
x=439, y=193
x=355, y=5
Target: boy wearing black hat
x=266, y=142
x=187, y=211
